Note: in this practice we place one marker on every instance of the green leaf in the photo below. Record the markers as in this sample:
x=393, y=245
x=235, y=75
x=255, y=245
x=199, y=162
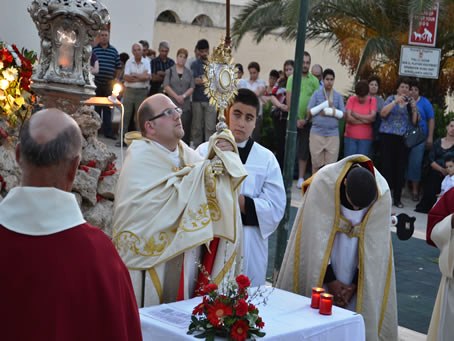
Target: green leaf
x=210, y=337
x=202, y=335
x=257, y=332
x=260, y=334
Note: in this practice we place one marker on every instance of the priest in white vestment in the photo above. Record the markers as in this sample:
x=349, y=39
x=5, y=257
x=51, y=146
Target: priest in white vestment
x=262, y=194
x=173, y=211
x=440, y=233
x=341, y=240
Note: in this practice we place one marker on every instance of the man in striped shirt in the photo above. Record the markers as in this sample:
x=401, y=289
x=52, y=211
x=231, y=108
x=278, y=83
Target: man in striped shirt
x=109, y=67
x=159, y=65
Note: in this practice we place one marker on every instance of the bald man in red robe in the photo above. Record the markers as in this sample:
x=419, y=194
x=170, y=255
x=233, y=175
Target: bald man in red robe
x=60, y=278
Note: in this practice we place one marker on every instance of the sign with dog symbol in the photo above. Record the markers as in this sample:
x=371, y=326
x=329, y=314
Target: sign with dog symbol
x=425, y=33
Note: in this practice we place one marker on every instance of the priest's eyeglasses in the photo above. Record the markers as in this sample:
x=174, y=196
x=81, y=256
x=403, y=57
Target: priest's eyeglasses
x=168, y=113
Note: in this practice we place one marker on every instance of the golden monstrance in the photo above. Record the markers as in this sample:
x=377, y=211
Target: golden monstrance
x=221, y=76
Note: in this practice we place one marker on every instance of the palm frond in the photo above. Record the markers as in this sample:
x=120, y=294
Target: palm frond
x=375, y=50
x=260, y=17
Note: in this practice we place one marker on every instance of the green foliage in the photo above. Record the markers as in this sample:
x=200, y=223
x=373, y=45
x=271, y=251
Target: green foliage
x=442, y=118
x=267, y=134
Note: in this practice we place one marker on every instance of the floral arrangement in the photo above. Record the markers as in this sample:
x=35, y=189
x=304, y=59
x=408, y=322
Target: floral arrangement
x=16, y=100
x=229, y=313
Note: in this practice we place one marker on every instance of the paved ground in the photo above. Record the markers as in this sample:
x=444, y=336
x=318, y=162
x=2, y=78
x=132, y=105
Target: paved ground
x=417, y=274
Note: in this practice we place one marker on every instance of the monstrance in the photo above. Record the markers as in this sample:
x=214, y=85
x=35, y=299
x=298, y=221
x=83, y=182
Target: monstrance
x=221, y=76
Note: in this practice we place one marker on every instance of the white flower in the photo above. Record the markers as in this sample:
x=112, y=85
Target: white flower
x=10, y=74
x=4, y=84
x=1, y=65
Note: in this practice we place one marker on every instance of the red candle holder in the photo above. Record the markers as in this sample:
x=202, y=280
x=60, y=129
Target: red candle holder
x=315, y=301
x=326, y=304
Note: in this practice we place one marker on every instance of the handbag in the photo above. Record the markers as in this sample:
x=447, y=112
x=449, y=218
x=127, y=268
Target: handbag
x=414, y=134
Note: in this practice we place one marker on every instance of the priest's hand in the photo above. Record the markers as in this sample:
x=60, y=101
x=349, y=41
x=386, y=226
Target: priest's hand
x=242, y=203
x=348, y=292
x=337, y=288
x=224, y=145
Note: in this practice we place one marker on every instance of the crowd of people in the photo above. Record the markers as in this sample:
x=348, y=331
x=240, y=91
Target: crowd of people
x=366, y=124
x=193, y=206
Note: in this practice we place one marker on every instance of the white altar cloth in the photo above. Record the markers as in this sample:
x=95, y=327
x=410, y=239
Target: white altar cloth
x=287, y=316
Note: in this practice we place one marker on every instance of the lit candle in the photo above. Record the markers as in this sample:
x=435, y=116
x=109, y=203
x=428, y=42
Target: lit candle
x=316, y=297
x=326, y=304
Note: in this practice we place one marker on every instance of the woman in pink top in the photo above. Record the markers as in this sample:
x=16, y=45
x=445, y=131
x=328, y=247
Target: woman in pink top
x=360, y=114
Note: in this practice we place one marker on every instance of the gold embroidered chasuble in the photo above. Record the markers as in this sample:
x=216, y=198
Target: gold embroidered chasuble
x=162, y=211
x=309, y=247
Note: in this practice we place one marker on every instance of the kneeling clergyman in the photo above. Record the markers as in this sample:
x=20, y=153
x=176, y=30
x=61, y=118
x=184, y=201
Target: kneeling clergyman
x=341, y=240
x=173, y=210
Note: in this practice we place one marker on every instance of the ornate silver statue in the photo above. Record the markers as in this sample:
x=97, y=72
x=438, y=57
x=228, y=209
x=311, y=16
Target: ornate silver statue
x=66, y=28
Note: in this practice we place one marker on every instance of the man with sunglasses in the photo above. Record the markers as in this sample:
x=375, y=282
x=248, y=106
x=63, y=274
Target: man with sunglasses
x=174, y=210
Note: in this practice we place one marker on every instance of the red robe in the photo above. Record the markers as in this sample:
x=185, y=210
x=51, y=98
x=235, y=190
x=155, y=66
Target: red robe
x=443, y=208
x=70, y=285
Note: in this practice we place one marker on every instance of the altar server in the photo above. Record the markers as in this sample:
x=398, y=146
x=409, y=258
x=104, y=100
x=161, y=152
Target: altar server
x=341, y=240
x=262, y=196
x=61, y=278
x=440, y=225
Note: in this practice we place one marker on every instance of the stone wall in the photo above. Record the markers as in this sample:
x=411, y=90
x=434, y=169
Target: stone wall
x=96, y=178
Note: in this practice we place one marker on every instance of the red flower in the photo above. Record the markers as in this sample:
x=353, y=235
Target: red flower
x=241, y=308
x=259, y=323
x=199, y=309
x=84, y=168
x=251, y=307
x=217, y=311
x=243, y=281
x=211, y=287
x=239, y=330
x=6, y=57
x=91, y=163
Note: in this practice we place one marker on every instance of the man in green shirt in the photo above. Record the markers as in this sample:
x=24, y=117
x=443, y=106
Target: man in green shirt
x=309, y=84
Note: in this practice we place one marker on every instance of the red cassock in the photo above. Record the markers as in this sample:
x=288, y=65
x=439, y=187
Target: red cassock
x=70, y=285
x=443, y=208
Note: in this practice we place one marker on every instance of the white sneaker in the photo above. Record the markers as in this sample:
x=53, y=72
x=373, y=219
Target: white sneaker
x=299, y=184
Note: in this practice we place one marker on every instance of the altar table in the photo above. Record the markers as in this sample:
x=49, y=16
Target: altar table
x=287, y=316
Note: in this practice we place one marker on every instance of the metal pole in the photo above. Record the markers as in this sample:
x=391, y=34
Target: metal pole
x=290, y=141
x=227, y=23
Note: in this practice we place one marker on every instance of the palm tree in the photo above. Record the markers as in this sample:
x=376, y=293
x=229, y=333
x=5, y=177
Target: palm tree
x=366, y=35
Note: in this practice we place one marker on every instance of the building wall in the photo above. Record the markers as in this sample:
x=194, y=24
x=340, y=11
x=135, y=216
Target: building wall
x=187, y=10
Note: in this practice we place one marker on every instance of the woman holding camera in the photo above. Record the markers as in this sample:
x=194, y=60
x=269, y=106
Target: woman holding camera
x=398, y=114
